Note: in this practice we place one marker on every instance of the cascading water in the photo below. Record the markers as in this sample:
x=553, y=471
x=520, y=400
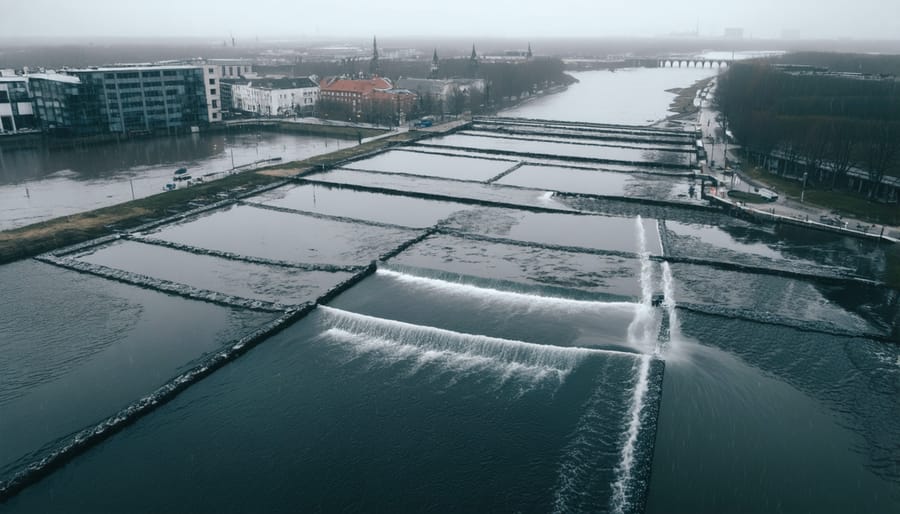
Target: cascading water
x=442, y=350
x=622, y=489
x=674, y=332
x=642, y=333
x=642, y=328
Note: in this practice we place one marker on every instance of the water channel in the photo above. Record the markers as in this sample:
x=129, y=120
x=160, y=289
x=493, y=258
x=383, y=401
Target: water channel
x=506, y=353
x=40, y=184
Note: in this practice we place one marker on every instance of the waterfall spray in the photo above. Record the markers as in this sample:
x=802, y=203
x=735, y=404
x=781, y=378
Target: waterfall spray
x=669, y=302
x=640, y=331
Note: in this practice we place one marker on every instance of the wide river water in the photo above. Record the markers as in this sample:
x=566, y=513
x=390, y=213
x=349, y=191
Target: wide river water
x=40, y=184
x=506, y=354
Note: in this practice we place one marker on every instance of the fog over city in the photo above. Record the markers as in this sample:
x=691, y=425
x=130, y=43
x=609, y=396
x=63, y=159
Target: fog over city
x=599, y=256
x=814, y=19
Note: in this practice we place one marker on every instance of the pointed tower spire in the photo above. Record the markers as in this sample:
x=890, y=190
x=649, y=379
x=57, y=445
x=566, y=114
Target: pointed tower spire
x=473, y=63
x=474, y=55
x=529, y=55
x=373, y=64
x=435, y=65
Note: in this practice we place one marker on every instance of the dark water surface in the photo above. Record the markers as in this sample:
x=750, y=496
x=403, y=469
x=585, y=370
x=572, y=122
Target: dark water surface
x=66, y=181
x=507, y=355
x=77, y=349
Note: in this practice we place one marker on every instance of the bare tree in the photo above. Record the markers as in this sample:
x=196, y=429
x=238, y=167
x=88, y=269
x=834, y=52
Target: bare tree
x=842, y=141
x=881, y=151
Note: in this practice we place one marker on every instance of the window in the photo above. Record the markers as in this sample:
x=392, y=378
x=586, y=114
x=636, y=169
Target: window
x=215, y=115
x=212, y=82
x=215, y=104
x=212, y=91
x=212, y=70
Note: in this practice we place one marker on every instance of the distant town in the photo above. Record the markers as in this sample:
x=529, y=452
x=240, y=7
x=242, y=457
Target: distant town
x=170, y=97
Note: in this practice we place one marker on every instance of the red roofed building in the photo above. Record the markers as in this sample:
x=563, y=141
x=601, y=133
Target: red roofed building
x=352, y=92
x=372, y=100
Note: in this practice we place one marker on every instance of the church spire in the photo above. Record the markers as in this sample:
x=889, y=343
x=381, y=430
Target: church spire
x=473, y=63
x=529, y=55
x=373, y=64
x=435, y=65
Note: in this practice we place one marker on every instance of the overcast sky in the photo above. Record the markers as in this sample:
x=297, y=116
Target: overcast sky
x=486, y=18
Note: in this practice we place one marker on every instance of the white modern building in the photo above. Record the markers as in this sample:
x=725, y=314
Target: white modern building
x=275, y=97
x=211, y=80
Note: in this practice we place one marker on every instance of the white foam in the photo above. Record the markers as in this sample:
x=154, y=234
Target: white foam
x=642, y=330
x=458, y=363
x=620, y=501
x=668, y=284
x=536, y=301
x=441, y=339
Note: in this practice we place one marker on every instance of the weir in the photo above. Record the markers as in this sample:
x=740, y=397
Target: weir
x=331, y=217
x=537, y=289
x=538, y=155
x=242, y=258
x=675, y=147
x=89, y=437
x=165, y=286
x=438, y=339
x=503, y=295
x=643, y=328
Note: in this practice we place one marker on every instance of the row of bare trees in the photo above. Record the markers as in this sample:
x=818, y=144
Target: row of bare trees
x=827, y=125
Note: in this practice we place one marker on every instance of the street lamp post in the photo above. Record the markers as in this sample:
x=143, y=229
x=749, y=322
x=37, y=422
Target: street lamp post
x=803, y=191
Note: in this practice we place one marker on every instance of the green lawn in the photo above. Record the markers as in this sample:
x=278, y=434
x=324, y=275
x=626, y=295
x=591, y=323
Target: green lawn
x=844, y=202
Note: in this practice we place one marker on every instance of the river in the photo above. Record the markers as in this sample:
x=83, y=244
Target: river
x=630, y=96
x=41, y=184
x=506, y=355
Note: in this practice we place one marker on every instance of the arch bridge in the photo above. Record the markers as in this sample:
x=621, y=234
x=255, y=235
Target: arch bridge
x=676, y=62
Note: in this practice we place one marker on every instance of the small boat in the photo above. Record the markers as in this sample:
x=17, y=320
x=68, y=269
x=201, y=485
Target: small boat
x=181, y=175
x=180, y=179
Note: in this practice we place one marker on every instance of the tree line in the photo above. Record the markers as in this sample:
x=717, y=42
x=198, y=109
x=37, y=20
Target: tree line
x=827, y=125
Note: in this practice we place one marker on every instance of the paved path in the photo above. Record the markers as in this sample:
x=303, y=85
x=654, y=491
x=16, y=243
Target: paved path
x=718, y=149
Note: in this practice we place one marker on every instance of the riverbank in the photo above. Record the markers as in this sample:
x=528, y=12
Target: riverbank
x=321, y=128
x=684, y=105
x=31, y=240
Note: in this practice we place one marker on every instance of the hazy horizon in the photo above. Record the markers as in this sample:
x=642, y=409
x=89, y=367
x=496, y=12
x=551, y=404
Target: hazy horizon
x=528, y=19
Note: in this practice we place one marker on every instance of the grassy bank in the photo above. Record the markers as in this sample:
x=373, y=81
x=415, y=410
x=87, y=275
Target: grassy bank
x=843, y=202
x=683, y=103
x=42, y=237
x=305, y=129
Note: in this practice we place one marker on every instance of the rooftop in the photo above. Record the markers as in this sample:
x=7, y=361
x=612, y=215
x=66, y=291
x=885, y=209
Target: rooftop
x=135, y=67
x=355, y=86
x=285, y=83
x=57, y=77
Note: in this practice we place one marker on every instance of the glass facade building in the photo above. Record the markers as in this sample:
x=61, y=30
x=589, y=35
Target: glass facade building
x=126, y=100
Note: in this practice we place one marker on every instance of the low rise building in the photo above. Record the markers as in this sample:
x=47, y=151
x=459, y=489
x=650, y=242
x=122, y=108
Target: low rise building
x=275, y=97
x=373, y=100
x=441, y=89
x=352, y=93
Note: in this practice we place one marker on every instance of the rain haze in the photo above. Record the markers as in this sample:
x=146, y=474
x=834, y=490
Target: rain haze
x=625, y=257
x=873, y=19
